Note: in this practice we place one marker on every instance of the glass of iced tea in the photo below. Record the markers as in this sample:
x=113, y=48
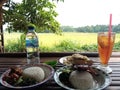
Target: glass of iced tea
x=105, y=45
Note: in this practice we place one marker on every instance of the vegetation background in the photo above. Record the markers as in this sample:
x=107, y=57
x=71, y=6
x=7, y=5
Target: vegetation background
x=42, y=14
x=67, y=42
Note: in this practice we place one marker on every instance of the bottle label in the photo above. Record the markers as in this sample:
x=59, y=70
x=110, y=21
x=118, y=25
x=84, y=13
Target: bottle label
x=32, y=42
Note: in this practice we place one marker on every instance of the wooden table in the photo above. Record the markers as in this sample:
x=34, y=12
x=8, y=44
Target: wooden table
x=8, y=60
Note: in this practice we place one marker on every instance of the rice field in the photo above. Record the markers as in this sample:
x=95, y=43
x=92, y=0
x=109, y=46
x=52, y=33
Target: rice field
x=51, y=39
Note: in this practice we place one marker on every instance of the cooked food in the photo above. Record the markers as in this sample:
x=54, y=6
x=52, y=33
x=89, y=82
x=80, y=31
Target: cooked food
x=36, y=73
x=77, y=59
x=82, y=80
x=80, y=57
x=68, y=60
x=26, y=77
x=81, y=74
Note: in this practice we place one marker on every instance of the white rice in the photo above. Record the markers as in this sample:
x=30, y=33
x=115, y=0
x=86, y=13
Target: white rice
x=81, y=80
x=36, y=73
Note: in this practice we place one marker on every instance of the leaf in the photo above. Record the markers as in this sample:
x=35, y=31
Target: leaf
x=20, y=80
x=51, y=63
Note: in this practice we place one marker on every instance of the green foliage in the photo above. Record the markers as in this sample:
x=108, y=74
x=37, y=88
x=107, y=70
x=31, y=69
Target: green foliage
x=22, y=41
x=67, y=45
x=44, y=48
x=14, y=47
x=117, y=46
x=89, y=48
x=51, y=63
x=63, y=46
x=41, y=13
x=18, y=46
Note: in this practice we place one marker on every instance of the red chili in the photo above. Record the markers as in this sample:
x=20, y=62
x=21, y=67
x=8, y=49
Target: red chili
x=14, y=75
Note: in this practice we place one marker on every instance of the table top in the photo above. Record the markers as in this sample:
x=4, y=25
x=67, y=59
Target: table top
x=9, y=60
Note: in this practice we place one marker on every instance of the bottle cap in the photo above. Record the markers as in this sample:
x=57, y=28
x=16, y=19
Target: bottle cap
x=31, y=28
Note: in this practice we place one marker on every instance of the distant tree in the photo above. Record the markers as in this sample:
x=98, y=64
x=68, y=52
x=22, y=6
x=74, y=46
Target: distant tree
x=91, y=29
x=116, y=28
x=67, y=29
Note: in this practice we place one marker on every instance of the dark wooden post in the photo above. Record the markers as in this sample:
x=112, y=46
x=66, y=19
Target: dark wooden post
x=1, y=33
x=2, y=2
x=1, y=27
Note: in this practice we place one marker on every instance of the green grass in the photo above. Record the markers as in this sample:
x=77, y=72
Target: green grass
x=50, y=42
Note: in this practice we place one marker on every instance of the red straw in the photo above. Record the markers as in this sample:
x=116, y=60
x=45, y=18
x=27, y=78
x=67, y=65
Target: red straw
x=109, y=34
x=110, y=25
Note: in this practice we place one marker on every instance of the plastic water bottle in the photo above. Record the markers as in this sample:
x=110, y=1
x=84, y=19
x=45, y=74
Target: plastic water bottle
x=32, y=46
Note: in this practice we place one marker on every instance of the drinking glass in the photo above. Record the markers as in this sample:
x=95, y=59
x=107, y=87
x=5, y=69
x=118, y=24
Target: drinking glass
x=105, y=45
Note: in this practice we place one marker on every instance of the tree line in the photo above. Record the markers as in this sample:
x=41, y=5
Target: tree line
x=91, y=29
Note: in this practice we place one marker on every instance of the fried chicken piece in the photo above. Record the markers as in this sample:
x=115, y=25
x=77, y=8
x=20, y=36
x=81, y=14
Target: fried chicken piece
x=78, y=59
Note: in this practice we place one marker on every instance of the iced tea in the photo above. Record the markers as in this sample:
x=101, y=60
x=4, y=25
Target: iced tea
x=105, y=46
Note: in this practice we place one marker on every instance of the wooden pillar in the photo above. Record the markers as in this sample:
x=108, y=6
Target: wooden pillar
x=2, y=2
x=1, y=27
x=1, y=33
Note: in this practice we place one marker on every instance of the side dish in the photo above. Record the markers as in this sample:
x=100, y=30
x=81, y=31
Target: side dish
x=24, y=77
x=77, y=59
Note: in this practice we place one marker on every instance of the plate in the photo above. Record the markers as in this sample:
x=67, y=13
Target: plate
x=102, y=80
x=62, y=59
x=49, y=71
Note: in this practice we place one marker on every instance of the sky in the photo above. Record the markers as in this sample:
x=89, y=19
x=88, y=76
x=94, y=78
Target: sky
x=78, y=13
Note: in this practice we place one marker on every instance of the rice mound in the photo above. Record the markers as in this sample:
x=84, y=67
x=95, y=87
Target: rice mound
x=81, y=80
x=36, y=73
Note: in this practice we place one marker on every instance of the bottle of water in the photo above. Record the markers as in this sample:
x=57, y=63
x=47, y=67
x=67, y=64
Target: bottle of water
x=32, y=46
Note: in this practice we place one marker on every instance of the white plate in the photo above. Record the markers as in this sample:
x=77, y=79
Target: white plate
x=62, y=59
x=49, y=71
x=102, y=80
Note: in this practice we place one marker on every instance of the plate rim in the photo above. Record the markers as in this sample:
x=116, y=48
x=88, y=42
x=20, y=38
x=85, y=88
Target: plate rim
x=61, y=59
x=30, y=86
x=105, y=85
